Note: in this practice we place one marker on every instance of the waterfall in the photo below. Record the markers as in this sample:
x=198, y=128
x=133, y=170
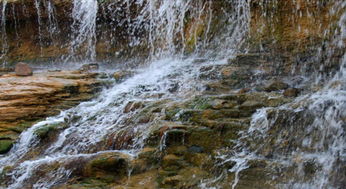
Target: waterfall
x=84, y=16
x=90, y=123
x=302, y=142
x=4, y=44
x=314, y=152
x=53, y=26
x=39, y=21
x=165, y=31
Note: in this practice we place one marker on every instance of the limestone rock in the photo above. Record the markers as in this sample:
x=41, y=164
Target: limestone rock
x=23, y=69
x=24, y=100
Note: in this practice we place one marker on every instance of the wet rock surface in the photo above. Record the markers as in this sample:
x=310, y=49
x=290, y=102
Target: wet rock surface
x=184, y=143
x=25, y=100
x=186, y=138
x=192, y=142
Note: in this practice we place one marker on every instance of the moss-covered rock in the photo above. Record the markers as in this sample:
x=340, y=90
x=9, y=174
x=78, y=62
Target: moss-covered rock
x=108, y=166
x=5, y=146
x=45, y=130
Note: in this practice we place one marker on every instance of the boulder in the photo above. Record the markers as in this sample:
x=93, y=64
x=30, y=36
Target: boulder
x=111, y=164
x=23, y=69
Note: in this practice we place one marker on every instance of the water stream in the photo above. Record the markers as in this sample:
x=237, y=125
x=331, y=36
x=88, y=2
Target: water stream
x=91, y=122
x=84, y=128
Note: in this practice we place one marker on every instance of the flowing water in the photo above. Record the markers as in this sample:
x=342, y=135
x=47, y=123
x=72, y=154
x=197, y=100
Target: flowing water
x=314, y=156
x=84, y=16
x=3, y=33
x=89, y=123
x=39, y=21
x=96, y=119
x=83, y=129
x=53, y=26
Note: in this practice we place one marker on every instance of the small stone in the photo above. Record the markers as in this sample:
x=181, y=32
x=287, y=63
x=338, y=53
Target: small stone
x=23, y=69
x=291, y=92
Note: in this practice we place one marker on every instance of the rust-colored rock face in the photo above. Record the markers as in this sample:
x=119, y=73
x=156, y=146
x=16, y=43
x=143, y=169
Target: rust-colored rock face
x=23, y=69
x=23, y=100
x=33, y=97
x=288, y=27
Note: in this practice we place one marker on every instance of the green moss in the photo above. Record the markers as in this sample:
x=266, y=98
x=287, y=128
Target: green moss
x=200, y=103
x=196, y=35
x=45, y=130
x=94, y=183
x=206, y=138
x=5, y=146
x=172, y=112
x=108, y=163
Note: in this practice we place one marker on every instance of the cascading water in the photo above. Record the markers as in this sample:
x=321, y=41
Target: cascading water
x=83, y=131
x=90, y=123
x=304, y=139
x=3, y=33
x=53, y=27
x=39, y=21
x=84, y=16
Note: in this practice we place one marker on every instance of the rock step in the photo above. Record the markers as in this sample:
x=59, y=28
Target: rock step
x=29, y=99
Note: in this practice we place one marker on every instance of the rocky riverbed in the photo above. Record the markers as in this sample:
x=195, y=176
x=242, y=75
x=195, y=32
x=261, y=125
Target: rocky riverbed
x=203, y=94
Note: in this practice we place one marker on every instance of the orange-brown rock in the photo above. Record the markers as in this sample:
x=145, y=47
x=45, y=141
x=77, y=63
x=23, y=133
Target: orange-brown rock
x=23, y=69
x=28, y=99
